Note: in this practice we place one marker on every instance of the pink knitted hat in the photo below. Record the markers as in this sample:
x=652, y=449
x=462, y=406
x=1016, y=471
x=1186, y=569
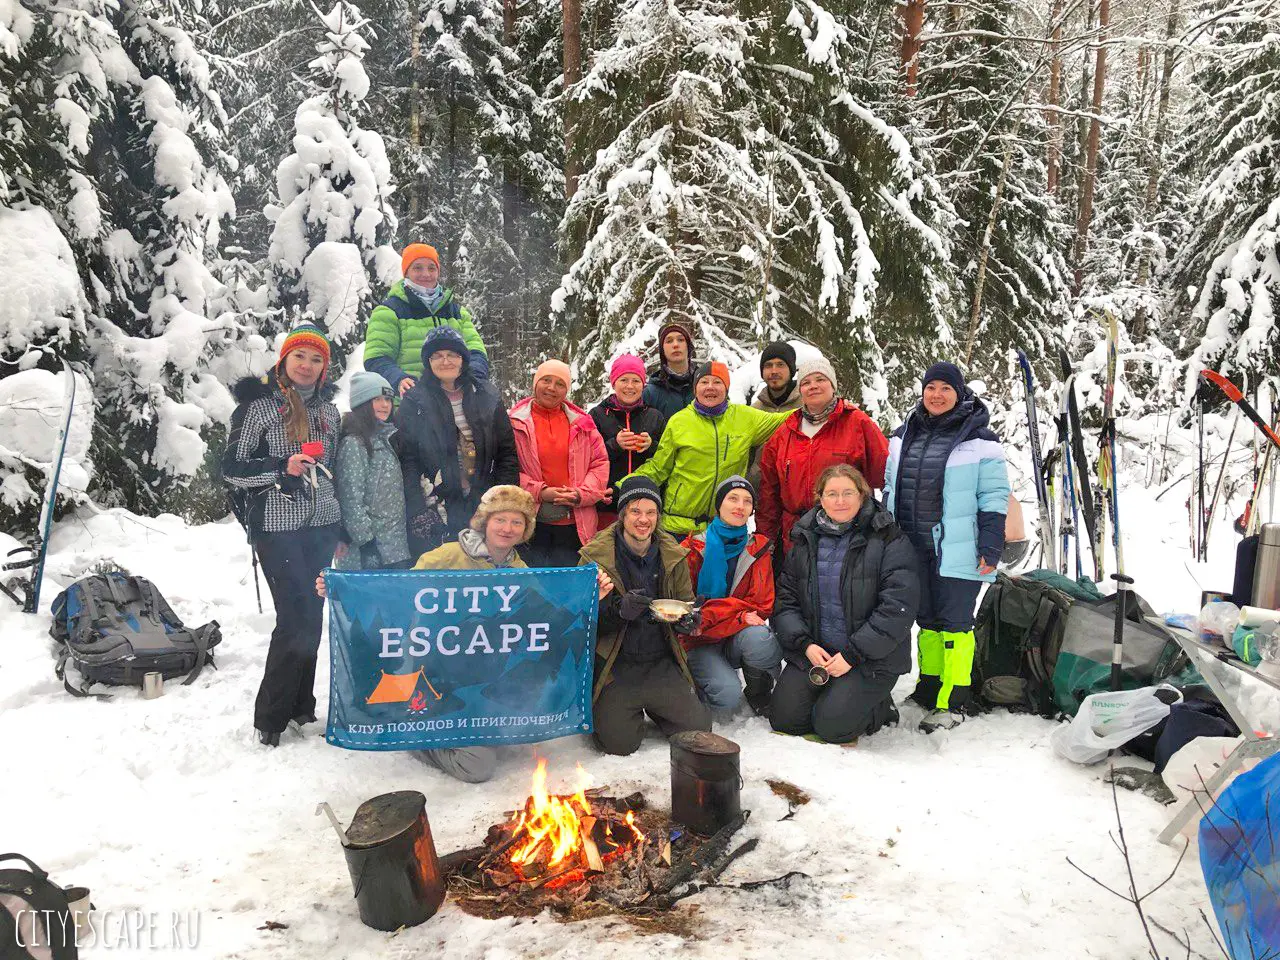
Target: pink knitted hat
x=627, y=363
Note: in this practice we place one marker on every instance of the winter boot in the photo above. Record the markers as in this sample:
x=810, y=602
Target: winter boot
x=757, y=689
x=957, y=670
x=941, y=720
x=303, y=719
x=884, y=715
x=268, y=739
x=929, y=645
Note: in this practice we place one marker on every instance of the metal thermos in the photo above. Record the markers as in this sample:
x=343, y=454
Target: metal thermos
x=1266, y=574
x=152, y=685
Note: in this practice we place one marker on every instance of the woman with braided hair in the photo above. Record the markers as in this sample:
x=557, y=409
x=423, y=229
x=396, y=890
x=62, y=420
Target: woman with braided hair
x=278, y=463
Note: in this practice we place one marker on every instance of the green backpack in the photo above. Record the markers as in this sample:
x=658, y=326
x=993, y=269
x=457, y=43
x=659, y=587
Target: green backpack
x=1017, y=635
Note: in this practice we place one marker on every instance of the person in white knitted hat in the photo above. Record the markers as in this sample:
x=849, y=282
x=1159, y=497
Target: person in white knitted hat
x=826, y=430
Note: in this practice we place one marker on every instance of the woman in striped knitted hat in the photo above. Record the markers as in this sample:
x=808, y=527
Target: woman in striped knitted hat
x=278, y=462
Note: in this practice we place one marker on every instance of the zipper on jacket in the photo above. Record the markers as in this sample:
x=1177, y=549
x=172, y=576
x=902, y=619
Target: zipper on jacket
x=711, y=501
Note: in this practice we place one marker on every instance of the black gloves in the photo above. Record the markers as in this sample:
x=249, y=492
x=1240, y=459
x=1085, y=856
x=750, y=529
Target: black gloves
x=634, y=604
x=689, y=623
x=426, y=526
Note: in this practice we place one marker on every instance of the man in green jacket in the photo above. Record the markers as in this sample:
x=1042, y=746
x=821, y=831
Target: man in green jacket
x=703, y=444
x=416, y=304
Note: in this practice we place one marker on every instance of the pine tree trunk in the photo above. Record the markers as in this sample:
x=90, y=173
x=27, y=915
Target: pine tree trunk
x=1155, y=168
x=1091, y=152
x=571, y=12
x=510, y=172
x=912, y=27
x=984, y=252
x=415, y=108
x=1054, y=118
x=510, y=301
x=1082, y=123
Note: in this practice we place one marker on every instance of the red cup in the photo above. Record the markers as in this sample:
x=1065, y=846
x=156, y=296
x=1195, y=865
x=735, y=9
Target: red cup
x=313, y=449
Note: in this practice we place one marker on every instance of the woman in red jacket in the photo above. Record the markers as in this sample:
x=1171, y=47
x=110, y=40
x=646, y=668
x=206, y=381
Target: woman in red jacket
x=732, y=571
x=826, y=430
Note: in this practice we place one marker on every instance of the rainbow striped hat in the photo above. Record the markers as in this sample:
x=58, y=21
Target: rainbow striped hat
x=305, y=335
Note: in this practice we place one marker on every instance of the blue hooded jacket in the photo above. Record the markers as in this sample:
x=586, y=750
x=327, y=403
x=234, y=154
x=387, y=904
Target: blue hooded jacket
x=947, y=486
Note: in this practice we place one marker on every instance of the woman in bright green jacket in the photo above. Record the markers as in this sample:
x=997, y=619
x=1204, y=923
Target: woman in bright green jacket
x=707, y=442
x=416, y=304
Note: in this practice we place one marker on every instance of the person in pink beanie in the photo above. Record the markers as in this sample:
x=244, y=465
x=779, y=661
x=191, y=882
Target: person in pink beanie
x=631, y=428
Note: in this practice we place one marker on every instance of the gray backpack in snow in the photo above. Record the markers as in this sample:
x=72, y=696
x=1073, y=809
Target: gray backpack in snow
x=115, y=628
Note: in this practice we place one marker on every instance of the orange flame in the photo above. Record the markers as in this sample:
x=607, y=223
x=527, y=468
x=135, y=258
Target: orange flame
x=554, y=824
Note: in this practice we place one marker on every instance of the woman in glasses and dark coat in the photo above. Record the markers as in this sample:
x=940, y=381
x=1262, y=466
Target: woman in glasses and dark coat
x=455, y=439
x=846, y=602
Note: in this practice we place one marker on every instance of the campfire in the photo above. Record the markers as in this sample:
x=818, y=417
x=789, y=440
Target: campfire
x=584, y=854
x=557, y=839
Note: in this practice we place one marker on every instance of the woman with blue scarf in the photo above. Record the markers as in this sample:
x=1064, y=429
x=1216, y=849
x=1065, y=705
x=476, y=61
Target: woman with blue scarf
x=732, y=570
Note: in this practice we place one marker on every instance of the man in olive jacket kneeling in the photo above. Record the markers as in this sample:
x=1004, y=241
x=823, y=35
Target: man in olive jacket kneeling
x=640, y=665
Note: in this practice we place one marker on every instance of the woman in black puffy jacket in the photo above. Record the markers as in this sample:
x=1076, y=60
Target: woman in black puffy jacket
x=846, y=601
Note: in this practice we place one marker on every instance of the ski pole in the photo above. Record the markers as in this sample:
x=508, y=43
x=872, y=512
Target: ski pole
x=257, y=587
x=1199, y=494
x=1222, y=475
x=1117, y=637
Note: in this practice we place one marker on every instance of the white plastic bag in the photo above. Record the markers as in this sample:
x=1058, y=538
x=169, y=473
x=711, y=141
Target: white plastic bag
x=1194, y=765
x=1106, y=721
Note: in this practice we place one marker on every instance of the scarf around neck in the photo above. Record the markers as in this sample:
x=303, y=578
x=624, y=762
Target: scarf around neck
x=822, y=415
x=715, y=411
x=678, y=379
x=613, y=403
x=830, y=528
x=724, y=544
x=430, y=297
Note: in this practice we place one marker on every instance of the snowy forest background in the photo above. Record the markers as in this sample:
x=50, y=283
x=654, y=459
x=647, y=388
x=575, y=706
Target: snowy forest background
x=893, y=181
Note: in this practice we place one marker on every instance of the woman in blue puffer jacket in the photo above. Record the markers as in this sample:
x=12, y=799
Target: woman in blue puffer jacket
x=947, y=487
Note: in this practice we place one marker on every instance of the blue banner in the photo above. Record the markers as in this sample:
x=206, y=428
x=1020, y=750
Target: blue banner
x=450, y=658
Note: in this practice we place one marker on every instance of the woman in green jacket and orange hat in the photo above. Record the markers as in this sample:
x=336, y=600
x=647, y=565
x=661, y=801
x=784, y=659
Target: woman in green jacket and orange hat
x=415, y=305
x=702, y=445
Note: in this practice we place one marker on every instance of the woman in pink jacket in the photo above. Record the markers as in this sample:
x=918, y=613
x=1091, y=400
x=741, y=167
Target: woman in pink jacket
x=563, y=464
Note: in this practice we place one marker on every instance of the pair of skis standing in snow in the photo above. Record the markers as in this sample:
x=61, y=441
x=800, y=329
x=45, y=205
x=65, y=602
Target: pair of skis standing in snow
x=1064, y=491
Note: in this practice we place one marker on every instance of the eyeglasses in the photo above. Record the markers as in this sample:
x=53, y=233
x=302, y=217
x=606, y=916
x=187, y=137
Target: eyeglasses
x=840, y=495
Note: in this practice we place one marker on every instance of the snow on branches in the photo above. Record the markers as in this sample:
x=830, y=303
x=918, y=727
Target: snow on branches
x=329, y=247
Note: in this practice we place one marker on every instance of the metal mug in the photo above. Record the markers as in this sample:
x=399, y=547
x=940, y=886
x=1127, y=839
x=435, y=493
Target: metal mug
x=79, y=906
x=818, y=676
x=152, y=685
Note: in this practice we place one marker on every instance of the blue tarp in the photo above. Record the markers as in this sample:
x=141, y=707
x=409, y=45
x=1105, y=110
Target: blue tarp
x=1240, y=857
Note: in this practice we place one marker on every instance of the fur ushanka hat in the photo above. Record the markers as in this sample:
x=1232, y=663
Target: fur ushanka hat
x=502, y=498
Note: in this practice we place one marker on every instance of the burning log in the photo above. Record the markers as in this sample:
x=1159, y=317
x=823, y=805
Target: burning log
x=589, y=847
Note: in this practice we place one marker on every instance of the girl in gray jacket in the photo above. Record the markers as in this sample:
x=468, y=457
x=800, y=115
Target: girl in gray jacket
x=369, y=482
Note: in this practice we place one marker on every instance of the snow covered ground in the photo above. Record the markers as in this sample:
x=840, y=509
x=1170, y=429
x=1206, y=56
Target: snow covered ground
x=952, y=845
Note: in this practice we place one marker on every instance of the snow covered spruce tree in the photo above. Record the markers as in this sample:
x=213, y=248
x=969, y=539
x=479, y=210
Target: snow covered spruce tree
x=978, y=79
x=1231, y=258
x=739, y=182
x=481, y=172
x=119, y=142
x=329, y=250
